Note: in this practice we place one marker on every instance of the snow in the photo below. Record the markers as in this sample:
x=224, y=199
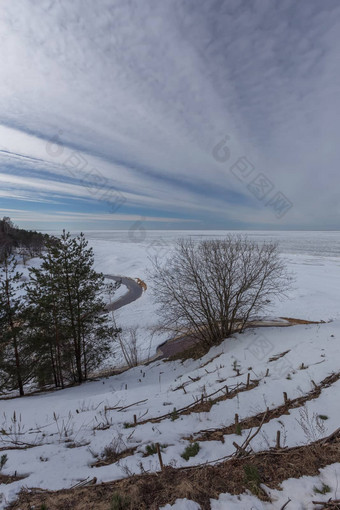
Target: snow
x=67, y=430
x=310, y=256
x=299, y=491
x=182, y=504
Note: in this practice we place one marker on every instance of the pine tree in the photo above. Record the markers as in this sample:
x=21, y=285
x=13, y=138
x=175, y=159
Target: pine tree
x=85, y=308
x=67, y=311
x=47, y=332
x=13, y=355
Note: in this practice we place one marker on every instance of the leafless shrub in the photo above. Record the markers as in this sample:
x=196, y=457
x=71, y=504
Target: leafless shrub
x=213, y=288
x=312, y=426
x=128, y=344
x=113, y=450
x=103, y=420
x=64, y=426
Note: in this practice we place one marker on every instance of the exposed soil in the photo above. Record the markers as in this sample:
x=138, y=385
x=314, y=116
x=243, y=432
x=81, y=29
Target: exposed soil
x=5, y=479
x=189, y=346
x=150, y=491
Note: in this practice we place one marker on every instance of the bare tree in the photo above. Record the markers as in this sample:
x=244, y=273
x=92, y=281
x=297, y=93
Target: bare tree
x=127, y=342
x=213, y=288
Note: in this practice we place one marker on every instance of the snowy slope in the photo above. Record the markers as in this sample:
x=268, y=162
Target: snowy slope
x=67, y=431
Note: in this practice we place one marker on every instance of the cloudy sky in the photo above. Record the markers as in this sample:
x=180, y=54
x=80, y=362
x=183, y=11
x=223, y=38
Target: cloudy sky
x=181, y=114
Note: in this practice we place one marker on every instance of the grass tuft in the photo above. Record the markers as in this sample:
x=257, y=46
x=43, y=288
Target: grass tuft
x=190, y=451
x=324, y=489
x=238, y=430
x=252, y=478
x=3, y=460
x=119, y=502
x=174, y=415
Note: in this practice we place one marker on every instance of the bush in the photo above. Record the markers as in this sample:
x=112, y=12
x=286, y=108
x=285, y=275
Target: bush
x=218, y=284
x=191, y=451
x=151, y=449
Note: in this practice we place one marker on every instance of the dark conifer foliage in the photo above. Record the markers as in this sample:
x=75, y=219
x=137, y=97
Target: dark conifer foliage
x=14, y=352
x=27, y=243
x=54, y=328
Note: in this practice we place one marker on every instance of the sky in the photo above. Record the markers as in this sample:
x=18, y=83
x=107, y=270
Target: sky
x=173, y=114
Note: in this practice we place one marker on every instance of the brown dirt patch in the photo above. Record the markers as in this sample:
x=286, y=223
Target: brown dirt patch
x=184, y=348
x=5, y=479
x=190, y=347
x=293, y=321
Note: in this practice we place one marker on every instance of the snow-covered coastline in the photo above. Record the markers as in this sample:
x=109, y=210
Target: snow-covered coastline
x=49, y=423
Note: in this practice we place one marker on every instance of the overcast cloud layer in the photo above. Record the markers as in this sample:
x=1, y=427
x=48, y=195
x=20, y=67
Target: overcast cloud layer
x=112, y=112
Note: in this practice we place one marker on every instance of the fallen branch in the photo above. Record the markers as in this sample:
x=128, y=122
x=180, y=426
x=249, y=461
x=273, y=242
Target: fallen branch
x=331, y=503
x=284, y=506
x=122, y=408
x=244, y=446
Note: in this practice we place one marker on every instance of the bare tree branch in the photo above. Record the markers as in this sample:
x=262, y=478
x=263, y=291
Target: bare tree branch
x=213, y=288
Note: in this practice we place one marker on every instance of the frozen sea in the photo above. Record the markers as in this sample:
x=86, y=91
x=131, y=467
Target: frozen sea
x=312, y=257
x=82, y=410
x=316, y=243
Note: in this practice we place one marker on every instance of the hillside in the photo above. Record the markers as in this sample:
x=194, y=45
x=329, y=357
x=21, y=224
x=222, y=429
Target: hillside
x=28, y=243
x=84, y=443
x=88, y=434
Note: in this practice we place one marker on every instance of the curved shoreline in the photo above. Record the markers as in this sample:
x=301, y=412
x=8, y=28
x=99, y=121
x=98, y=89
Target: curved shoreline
x=134, y=292
x=176, y=345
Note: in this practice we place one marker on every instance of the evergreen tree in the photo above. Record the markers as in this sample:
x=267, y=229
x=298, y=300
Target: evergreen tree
x=47, y=331
x=14, y=356
x=84, y=307
x=67, y=311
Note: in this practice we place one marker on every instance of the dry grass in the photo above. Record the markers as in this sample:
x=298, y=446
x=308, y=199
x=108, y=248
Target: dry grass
x=111, y=456
x=255, y=421
x=204, y=404
x=150, y=491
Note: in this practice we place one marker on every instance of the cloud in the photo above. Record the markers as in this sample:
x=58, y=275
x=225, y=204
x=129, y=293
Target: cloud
x=143, y=91
x=33, y=216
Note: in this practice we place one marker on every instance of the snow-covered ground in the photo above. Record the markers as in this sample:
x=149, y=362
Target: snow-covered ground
x=313, y=258
x=68, y=430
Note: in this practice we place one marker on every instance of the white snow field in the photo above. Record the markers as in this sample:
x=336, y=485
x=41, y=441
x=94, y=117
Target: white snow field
x=55, y=438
